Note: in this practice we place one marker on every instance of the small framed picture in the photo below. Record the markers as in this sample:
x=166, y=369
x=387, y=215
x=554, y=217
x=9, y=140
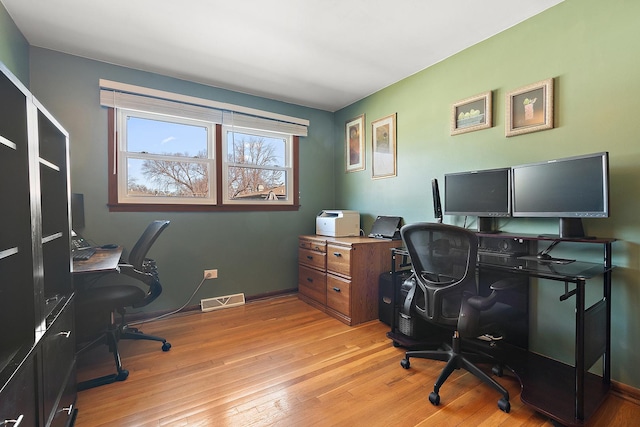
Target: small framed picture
x=530, y=108
x=383, y=136
x=354, y=144
x=472, y=114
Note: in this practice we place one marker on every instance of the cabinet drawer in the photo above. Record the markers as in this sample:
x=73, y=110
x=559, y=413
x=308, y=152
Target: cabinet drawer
x=339, y=260
x=312, y=258
x=312, y=283
x=339, y=294
x=66, y=412
x=312, y=245
x=17, y=399
x=58, y=356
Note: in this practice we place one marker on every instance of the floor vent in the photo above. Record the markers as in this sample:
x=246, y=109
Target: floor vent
x=209, y=304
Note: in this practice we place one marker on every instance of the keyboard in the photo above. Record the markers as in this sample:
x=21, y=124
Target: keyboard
x=83, y=254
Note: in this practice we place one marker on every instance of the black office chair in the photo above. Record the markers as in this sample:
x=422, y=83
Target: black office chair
x=446, y=294
x=96, y=305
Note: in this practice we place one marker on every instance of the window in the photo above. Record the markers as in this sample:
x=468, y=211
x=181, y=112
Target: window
x=182, y=156
x=165, y=159
x=257, y=166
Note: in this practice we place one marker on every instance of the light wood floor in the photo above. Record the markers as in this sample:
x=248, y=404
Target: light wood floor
x=281, y=362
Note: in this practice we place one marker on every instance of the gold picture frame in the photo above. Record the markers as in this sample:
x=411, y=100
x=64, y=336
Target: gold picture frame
x=471, y=114
x=530, y=108
x=354, y=144
x=383, y=141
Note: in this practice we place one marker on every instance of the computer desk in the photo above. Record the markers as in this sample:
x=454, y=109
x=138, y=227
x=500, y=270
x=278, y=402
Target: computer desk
x=569, y=394
x=103, y=261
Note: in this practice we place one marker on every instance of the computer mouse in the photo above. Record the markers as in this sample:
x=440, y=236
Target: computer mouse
x=109, y=246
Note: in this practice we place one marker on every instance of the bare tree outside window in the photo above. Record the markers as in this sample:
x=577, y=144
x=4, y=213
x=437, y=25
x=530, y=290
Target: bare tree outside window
x=255, y=167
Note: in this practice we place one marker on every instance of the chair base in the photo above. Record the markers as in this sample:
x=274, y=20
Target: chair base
x=129, y=333
x=121, y=374
x=456, y=359
x=112, y=336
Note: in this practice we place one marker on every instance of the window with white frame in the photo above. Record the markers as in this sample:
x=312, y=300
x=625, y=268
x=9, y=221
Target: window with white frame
x=163, y=159
x=174, y=152
x=257, y=166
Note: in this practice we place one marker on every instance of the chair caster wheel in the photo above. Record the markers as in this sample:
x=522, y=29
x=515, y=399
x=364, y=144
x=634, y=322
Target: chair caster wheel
x=166, y=346
x=434, y=398
x=405, y=363
x=497, y=370
x=396, y=344
x=122, y=375
x=504, y=405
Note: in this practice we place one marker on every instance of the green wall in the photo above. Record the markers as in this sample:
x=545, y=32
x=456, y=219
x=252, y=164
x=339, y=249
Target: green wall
x=590, y=48
x=14, y=49
x=254, y=252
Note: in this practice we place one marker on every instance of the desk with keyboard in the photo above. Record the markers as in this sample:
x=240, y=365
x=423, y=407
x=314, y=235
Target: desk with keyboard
x=569, y=394
x=103, y=260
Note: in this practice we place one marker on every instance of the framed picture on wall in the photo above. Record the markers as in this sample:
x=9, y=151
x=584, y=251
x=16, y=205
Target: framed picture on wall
x=471, y=114
x=530, y=108
x=354, y=144
x=383, y=136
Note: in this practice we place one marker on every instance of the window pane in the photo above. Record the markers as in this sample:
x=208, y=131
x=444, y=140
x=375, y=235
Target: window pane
x=167, y=178
x=256, y=184
x=168, y=138
x=244, y=148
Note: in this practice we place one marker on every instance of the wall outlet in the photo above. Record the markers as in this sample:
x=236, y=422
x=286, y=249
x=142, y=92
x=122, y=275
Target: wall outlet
x=211, y=274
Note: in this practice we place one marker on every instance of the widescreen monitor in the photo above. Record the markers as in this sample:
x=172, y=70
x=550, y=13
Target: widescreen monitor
x=482, y=193
x=569, y=188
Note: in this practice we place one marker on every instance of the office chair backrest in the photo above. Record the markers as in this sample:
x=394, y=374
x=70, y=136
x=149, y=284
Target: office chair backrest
x=139, y=252
x=444, y=259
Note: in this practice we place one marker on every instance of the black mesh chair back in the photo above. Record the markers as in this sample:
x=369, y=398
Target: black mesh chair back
x=443, y=259
x=141, y=248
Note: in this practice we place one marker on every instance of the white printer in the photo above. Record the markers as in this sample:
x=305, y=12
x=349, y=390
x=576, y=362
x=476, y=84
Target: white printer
x=338, y=223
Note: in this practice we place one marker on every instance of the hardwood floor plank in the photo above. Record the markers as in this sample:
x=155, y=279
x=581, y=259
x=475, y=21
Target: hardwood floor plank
x=280, y=362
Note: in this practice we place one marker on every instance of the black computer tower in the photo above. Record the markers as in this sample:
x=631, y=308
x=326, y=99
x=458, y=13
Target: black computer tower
x=385, y=294
x=406, y=324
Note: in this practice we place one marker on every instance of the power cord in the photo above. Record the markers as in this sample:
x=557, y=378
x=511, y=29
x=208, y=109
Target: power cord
x=162, y=316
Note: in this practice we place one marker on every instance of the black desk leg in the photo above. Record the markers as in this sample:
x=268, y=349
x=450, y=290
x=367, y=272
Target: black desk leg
x=580, y=356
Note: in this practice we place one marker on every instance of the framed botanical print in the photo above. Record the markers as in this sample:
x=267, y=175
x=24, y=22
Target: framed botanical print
x=383, y=136
x=530, y=108
x=471, y=114
x=354, y=144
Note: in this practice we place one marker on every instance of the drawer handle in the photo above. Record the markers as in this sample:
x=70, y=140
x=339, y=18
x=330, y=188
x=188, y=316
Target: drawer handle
x=309, y=257
x=338, y=254
x=336, y=289
x=309, y=279
x=317, y=248
x=15, y=422
x=66, y=334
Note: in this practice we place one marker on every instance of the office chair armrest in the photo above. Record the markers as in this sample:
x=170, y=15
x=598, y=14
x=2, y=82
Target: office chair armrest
x=131, y=271
x=484, y=303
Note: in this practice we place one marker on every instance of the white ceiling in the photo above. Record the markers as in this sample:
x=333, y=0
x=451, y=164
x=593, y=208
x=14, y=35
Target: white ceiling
x=324, y=54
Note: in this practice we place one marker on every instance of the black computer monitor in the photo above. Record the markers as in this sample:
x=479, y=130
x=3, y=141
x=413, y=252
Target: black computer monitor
x=570, y=188
x=77, y=211
x=437, y=204
x=482, y=193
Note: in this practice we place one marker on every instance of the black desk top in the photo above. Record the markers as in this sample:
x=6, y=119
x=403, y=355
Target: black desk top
x=557, y=270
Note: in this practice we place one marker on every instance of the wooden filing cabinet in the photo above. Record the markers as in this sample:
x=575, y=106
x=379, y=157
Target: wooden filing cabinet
x=339, y=275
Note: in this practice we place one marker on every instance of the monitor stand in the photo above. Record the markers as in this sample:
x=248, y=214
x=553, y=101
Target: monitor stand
x=571, y=228
x=487, y=225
